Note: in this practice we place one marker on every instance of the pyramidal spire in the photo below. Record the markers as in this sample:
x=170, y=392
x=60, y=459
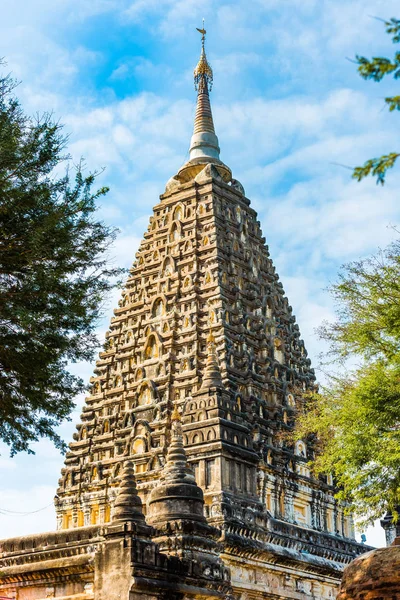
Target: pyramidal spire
x=176, y=467
x=128, y=506
x=212, y=374
x=176, y=496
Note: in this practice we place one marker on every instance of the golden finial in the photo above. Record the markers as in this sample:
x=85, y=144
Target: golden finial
x=211, y=338
x=203, y=75
x=203, y=33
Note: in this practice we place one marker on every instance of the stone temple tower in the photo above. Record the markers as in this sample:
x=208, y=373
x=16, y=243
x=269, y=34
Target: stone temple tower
x=204, y=340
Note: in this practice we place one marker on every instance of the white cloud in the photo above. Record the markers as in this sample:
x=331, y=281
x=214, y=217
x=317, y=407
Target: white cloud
x=7, y=463
x=334, y=215
x=139, y=9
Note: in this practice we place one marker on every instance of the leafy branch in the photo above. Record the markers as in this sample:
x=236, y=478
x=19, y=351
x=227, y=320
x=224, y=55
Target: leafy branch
x=376, y=69
x=376, y=167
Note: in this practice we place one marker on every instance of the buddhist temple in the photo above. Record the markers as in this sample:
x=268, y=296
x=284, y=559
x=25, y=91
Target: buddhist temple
x=178, y=483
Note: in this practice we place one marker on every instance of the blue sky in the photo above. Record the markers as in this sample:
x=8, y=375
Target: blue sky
x=288, y=109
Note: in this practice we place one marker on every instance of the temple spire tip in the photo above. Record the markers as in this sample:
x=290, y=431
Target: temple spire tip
x=204, y=145
x=203, y=74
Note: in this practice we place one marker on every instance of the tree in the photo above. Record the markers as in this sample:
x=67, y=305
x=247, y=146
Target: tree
x=54, y=274
x=376, y=69
x=355, y=419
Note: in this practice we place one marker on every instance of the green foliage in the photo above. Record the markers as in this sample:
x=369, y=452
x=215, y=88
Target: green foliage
x=376, y=167
x=393, y=28
x=376, y=69
x=356, y=417
x=53, y=275
x=367, y=297
x=393, y=102
x=357, y=421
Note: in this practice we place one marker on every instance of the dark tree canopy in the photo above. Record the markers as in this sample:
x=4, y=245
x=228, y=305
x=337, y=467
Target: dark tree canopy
x=54, y=274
